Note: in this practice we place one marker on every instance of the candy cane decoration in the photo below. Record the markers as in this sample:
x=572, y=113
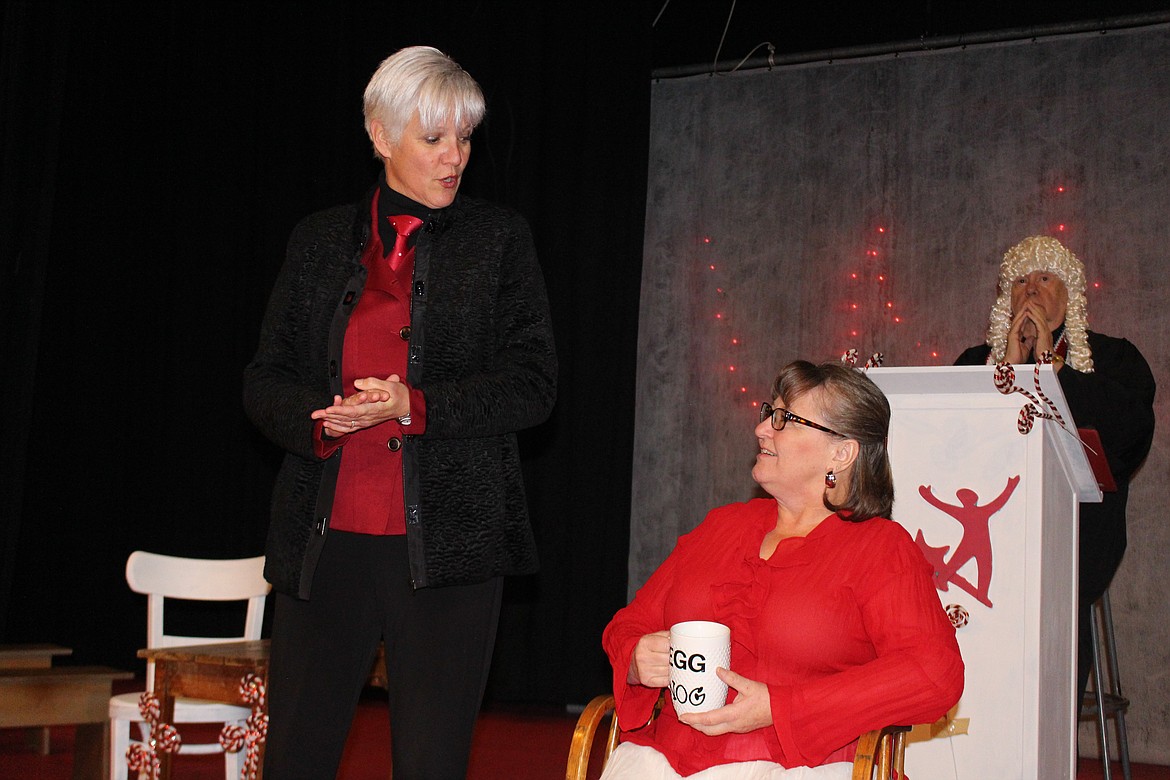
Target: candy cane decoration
x=1005, y=382
x=142, y=757
x=958, y=615
x=233, y=738
x=849, y=358
x=140, y=760
x=1046, y=357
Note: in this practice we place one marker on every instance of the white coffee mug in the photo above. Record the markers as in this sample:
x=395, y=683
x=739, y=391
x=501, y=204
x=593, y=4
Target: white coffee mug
x=697, y=649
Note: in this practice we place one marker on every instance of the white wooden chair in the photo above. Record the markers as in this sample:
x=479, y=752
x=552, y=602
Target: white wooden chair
x=163, y=577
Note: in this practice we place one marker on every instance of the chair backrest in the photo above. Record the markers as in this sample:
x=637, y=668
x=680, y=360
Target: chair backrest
x=581, y=748
x=881, y=754
x=163, y=577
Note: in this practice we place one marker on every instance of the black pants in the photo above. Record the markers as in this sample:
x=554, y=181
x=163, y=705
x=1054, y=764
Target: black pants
x=438, y=650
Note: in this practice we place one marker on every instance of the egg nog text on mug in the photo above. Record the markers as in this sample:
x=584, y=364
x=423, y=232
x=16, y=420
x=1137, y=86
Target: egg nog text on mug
x=696, y=662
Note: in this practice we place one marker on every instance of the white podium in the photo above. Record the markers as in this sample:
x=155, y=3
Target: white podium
x=996, y=511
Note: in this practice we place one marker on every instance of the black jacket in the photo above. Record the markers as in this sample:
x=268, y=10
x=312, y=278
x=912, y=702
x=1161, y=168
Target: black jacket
x=481, y=350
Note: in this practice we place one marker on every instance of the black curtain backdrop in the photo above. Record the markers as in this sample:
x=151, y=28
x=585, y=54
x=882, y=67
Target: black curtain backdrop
x=154, y=159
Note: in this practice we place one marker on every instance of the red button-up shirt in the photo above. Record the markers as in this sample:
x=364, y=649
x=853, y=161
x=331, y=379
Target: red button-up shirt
x=369, y=497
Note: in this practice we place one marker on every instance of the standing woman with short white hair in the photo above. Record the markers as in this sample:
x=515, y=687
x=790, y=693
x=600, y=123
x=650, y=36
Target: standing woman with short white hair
x=406, y=341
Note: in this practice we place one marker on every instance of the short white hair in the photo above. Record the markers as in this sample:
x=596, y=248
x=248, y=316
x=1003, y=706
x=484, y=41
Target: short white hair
x=422, y=79
x=1043, y=253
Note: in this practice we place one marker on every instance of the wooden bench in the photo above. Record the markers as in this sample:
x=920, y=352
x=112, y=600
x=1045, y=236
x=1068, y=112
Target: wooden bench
x=64, y=695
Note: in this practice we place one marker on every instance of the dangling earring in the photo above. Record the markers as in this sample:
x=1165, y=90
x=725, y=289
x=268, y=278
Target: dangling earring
x=830, y=479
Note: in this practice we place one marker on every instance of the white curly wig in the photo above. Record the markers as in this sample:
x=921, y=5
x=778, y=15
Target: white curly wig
x=1043, y=253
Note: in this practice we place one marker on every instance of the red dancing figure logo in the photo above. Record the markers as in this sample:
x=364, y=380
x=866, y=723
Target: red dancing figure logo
x=975, y=544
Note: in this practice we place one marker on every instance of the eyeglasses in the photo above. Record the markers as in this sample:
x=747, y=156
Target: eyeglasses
x=782, y=416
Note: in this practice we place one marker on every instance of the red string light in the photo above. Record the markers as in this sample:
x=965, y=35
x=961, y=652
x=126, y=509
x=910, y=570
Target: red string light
x=876, y=249
x=722, y=316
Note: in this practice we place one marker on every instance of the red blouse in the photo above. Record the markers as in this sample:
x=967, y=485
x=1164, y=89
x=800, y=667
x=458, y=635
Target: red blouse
x=843, y=625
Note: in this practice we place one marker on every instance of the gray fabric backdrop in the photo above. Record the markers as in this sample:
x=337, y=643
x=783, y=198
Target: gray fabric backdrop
x=769, y=190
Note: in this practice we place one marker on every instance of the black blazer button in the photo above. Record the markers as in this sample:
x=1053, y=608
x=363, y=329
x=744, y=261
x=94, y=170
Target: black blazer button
x=404, y=334
x=394, y=445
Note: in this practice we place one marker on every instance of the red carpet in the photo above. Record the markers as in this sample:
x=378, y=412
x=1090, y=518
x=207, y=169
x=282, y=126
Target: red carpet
x=510, y=744
x=515, y=743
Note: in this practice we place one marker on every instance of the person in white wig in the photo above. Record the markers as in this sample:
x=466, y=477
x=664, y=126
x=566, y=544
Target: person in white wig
x=1041, y=315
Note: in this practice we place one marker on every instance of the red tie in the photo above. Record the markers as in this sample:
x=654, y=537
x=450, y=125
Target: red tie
x=404, y=225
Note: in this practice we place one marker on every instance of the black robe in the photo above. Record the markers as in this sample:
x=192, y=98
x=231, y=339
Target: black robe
x=1117, y=399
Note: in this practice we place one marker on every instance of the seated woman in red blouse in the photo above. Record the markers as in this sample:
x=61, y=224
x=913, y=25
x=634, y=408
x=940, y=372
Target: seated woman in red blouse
x=836, y=628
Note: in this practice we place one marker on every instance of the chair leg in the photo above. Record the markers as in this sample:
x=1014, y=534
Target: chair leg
x=1099, y=693
x=1115, y=684
x=119, y=744
x=233, y=764
x=41, y=741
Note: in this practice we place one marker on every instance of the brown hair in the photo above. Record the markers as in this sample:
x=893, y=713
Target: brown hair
x=858, y=410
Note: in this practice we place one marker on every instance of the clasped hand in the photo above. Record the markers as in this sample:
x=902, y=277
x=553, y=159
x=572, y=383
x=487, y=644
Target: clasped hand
x=375, y=402
x=1029, y=335
x=751, y=710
